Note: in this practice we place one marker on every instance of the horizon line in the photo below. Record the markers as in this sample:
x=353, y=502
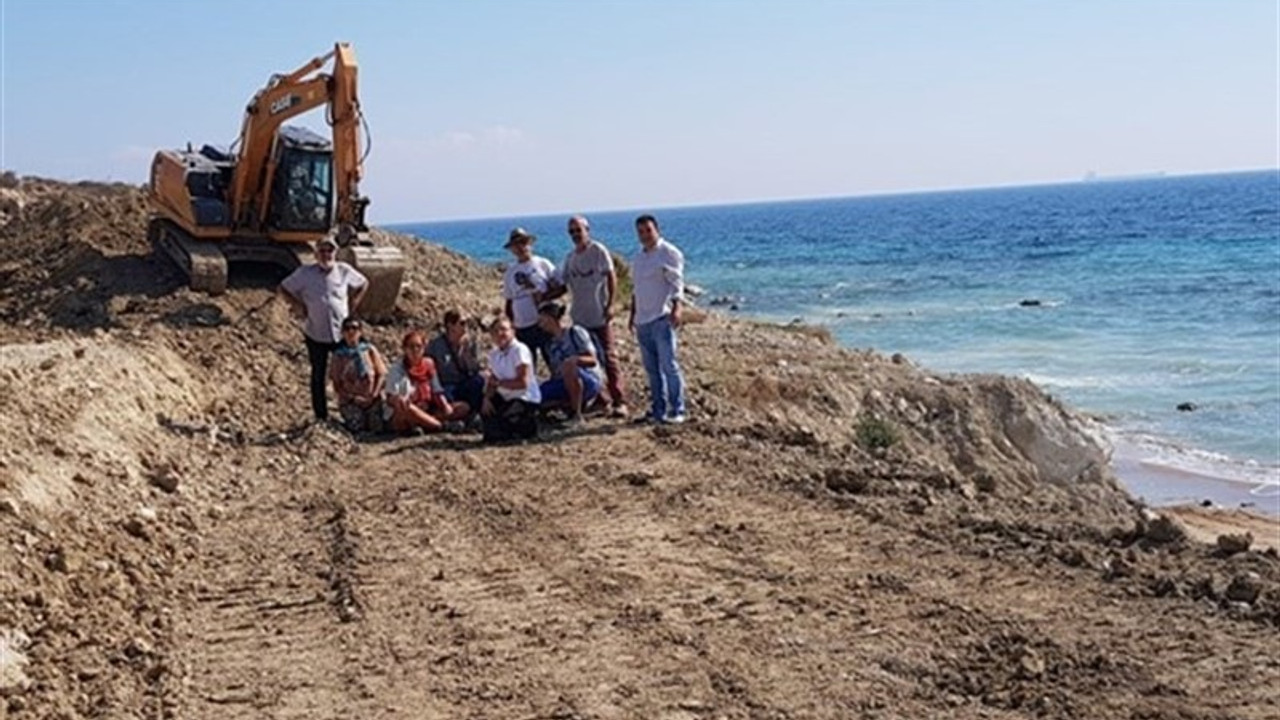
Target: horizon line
x=1085, y=178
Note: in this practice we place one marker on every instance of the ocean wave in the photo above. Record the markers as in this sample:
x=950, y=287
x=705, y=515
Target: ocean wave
x=1090, y=382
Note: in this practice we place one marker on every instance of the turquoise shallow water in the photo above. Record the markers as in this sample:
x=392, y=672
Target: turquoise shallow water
x=1150, y=293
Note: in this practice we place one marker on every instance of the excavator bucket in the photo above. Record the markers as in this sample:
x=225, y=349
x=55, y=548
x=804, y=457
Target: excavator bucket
x=384, y=267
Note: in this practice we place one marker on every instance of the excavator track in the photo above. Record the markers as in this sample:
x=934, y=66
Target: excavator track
x=202, y=261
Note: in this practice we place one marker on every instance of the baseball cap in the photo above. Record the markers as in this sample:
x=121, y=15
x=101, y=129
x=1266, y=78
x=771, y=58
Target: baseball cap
x=552, y=308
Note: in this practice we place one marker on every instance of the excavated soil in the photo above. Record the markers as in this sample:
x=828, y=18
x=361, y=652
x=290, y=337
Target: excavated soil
x=836, y=534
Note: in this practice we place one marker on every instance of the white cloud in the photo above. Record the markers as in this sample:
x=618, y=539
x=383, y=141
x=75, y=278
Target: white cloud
x=503, y=135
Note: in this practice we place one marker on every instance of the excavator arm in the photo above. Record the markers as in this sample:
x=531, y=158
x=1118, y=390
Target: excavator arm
x=287, y=96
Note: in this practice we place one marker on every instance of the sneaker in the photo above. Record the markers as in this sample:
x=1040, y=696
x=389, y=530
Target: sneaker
x=645, y=419
x=677, y=419
x=619, y=411
x=574, y=422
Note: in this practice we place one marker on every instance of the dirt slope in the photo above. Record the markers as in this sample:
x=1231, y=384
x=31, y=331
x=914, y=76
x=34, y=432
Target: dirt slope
x=836, y=535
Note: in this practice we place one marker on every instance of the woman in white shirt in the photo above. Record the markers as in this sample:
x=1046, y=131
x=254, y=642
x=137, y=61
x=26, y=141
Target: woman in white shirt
x=511, y=394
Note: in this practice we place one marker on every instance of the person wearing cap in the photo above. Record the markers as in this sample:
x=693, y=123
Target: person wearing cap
x=526, y=284
x=575, y=379
x=323, y=293
x=592, y=283
x=657, y=273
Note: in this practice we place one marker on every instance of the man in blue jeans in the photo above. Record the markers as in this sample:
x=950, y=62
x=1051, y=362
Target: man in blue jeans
x=657, y=274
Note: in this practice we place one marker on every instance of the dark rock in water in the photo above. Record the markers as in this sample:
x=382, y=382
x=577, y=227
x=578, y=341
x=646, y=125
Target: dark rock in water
x=734, y=307
x=1206, y=503
x=720, y=300
x=1186, y=406
x=899, y=359
x=1030, y=303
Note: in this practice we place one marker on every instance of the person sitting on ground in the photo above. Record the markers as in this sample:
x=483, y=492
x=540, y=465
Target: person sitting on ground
x=511, y=394
x=415, y=398
x=457, y=362
x=575, y=379
x=358, y=372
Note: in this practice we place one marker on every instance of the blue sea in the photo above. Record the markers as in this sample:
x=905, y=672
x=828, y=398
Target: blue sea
x=1125, y=298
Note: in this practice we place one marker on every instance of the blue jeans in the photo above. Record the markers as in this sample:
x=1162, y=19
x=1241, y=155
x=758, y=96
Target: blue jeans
x=657, y=341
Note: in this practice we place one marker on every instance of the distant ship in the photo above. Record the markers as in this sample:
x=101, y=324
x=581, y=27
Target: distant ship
x=1092, y=176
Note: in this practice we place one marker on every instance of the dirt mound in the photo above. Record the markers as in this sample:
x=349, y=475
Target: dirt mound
x=835, y=533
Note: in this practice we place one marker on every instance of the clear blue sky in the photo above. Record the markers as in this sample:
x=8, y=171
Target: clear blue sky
x=484, y=108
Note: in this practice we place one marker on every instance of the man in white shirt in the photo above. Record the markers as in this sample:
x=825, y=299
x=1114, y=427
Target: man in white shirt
x=589, y=275
x=657, y=274
x=529, y=281
x=324, y=293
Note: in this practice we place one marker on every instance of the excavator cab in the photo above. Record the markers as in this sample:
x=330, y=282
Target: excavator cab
x=301, y=196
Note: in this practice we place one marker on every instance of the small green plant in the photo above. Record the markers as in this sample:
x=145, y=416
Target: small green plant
x=873, y=433
x=622, y=299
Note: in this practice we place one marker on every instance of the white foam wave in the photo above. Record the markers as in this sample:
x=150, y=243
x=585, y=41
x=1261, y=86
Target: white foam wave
x=1075, y=381
x=1162, y=454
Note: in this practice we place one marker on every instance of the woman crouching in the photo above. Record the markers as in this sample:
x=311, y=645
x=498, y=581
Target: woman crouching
x=415, y=398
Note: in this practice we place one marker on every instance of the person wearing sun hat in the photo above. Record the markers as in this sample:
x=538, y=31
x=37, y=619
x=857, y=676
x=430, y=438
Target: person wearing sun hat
x=527, y=283
x=323, y=294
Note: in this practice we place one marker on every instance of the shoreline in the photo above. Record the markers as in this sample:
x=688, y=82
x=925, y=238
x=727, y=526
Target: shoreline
x=1162, y=486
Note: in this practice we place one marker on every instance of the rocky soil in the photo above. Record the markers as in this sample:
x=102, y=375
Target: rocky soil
x=836, y=534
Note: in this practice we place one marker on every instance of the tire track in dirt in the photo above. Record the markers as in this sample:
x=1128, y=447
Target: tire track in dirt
x=643, y=582
x=527, y=595
x=266, y=635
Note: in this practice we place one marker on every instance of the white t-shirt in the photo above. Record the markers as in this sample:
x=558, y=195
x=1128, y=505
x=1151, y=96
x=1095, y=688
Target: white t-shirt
x=324, y=293
x=538, y=273
x=505, y=364
x=658, y=278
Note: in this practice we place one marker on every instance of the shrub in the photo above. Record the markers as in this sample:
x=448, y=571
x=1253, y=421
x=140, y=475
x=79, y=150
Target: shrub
x=874, y=433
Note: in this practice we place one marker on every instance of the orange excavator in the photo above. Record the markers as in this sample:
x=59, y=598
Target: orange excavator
x=283, y=188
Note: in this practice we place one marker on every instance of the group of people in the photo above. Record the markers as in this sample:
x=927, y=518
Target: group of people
x=442, y=385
